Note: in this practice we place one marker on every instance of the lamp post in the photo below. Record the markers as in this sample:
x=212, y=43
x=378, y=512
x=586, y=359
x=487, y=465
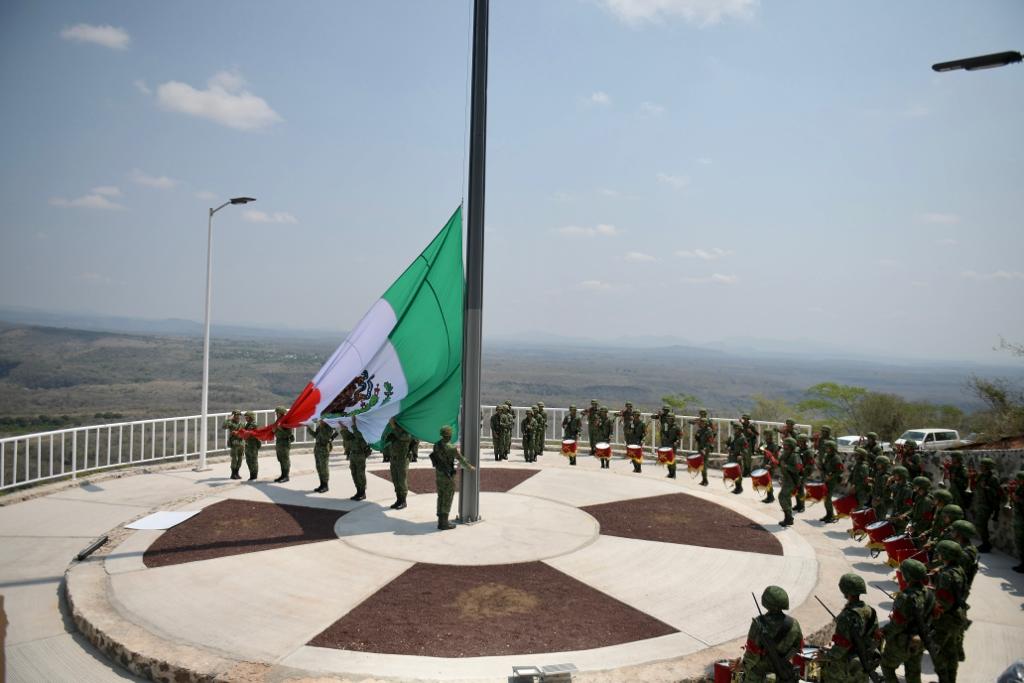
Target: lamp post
x=977, y=63
x=206, y=327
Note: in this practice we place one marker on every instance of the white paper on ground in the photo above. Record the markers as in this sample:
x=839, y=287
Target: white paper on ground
x=162, y=520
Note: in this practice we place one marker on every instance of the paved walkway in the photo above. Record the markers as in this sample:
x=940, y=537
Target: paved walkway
x=41, y=536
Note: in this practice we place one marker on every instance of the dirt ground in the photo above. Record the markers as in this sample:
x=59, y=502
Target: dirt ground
x=681, y=518
x=453, y=611
x=495, y=480
x=233, y=527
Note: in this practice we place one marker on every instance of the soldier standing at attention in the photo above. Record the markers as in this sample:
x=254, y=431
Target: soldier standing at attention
x=872, y=446
x=542, y=427
x=987, y=493
x=324, y=442
x=789, y=466
x=949, y=619
x=626, y=415
x=571, y=427
x=1018, y=520
x=880, y=487
x=824, y=434
x=806, y=455
x=592, y=414
x=923, y=510
x=508, y=424
x=358, y=450
x=912, y=459
x=443, y=458
x=831, y=473
x=414, y=449
x=750, y=432
x=854, y=637
x=283, y=437
x=497, y=437
x=738, y=452
x=704, y=437
x=774, y=631
x=958, y=484
x=252, y=446
x=962, y=532
x=901, y=495
x=605, y=429
x=235, y=443
x=669, y=434
x=909, y=625
x=633, y=429
x=788, y=430
x=860, y=477
x=526, y=427
x=770, y=452
x=397, y=441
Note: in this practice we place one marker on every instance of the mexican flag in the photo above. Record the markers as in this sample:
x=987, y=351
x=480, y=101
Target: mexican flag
x=403, y=359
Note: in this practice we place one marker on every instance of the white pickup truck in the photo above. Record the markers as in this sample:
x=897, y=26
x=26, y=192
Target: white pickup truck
x=932, y=439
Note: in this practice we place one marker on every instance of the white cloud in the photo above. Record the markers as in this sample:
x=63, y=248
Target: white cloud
x=89, y=201
x=159, y=182
x=705, y=254
x=254, y=216
x=948, y=242
x=994, y=275
x=600, y=230
x=639, y=257
x=141, y=86
x=225, y=101
x=594, y=286
x=941, y=218
x=651, y=109
x=699, y=12
x=600, y=97
x=714, y=279
x=206, y=195
x=107, y=36
x=676, y=181
x=107, y=190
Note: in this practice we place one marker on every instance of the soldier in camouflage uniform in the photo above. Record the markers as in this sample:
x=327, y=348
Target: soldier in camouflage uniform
x=909, y=625
x=397, y=442
x=788, y=430
x=283, y=437
x=443, y=458
x=963, y=532
x=669, y=434
x=235, y=443
x=806, y=455
x=739, y=453
x=770, y=452
x=872, y=446
x=704, y=439
x=414, y=449
x=880, y=486
x=901, y=496
x=854, y=651
x=626, y=415
x=542, y=427
x=252, y=446
x=859, y=482
x=592, y=413
x=923, y=510
x=831, y=474
x=912, y=459
x=358, y=451
x=789, y=469
x=634, y=430
x=605, y=429
x=774, y=630
x=941, y=521
x=749, y=431
x=572, y=425
x=497, y=435
x=824, y=434
x=324, y=435
x=526, y=428
x=949, y=619
x=958, y=482
x=508, y=425
x=1018, y=519
x=987, y=494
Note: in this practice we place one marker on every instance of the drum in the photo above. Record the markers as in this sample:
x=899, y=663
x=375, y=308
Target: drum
x=808, y=661
x=569, y=448
x=899, y=548
x=694, y=462
x=861, y=517
x=878, y=532
x=761, y=479
x=604, y=450
x=816, y=491
x=844, y=505
x=666, y=456
x=730, y=472
x=635, y=452
x=726, y=670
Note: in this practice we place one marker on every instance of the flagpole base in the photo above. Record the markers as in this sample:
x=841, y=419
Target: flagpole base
x=202, y=469
x=461, y=520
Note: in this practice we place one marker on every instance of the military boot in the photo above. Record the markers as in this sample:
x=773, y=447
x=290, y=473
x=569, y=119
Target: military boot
x=398, y=499
x=443, y=524
x=799, y=505
x=771, y=496
x=284, y=479
x=703, y=477
x=738, y=488
x=234, y=474
x=401, y=503
x=360, y=495
x=572, y=461
x=788, y=521
x=828, y=519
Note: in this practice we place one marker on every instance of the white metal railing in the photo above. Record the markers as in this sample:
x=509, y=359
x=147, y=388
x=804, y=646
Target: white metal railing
x=35, y=458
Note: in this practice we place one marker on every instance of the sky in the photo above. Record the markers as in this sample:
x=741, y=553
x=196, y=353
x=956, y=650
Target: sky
x=698, y=169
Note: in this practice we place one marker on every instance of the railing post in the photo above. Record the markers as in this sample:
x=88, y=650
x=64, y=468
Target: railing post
x=74, y=455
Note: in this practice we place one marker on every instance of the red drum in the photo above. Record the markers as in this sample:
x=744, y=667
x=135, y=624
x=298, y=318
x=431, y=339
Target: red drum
x=808, y=661
x=861, y=517
x=725, y=671
x=666, y=456
x=694, y=462
x=635, y=453
x=730, y=472
x=878, y=532
x=761, y=479
x=844, y=505
x=569, y=448
x=816, y=491
x=604, y=450
x=900, y=548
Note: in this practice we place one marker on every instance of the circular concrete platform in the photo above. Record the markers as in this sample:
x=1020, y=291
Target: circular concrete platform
x=514, y=529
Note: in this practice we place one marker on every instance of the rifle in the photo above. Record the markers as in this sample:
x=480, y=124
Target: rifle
x=787, y=673
x=858, y=643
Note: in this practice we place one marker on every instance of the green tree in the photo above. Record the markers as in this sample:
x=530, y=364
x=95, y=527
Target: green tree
x=767, y=409
x=680, y=402
x=834, y=403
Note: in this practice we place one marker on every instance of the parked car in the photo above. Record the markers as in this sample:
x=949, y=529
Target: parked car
x=932, y=439
x=846, y=444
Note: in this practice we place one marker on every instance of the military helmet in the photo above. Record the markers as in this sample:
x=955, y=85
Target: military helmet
x=236, y=412
x=964, y=528
x=789, y=441
x=913, y=570
x=508, y=403
x=882, y=460
x=826, y=429
x=280, y=410
x=954, y=512
x=736, y=424
x=791, y=422
x=852, y=584
x=572, y=407
x=873, y=435
x=956, y=455
x=801, y=437
x=829, y=444
x=745, y=416
x=775, y=597
x=949, y=550
x=593, y=401
x=628, y=404
x=604, y=409
x=250, y=414
x=1020, y=475
x=860, y=451
x=666, y=409
x=703, y=412
x=988, y=463
x=910, y=443
x=901, y=471
x=540, y=403
x=944, y=495
x=923, y=482
x=446, y=432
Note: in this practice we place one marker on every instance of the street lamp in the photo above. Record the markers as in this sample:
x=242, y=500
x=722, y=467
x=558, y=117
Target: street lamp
x=978, y=63
x=206, y=327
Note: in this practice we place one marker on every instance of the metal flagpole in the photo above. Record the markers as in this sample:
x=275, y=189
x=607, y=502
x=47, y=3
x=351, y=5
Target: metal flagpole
x=469, y=496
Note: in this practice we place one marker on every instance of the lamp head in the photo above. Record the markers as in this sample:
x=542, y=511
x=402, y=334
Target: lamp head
x=977, y=63
x=242, y=200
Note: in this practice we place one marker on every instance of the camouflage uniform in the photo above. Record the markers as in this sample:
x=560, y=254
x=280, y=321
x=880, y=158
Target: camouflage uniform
x=987, y=493
x=806, y=455
x=774, y=630
x=443, y=458
x=860, y=478
x=669, y=434
x=605, y=429
x=789, y=468
x=397, y=442
x=963, y=532
x=739, y=452
x=880, y=487
x=770, y=452
x=527, y=427
x=633, y=429
x=704, y=439
x=542, y=428
x=358, y=451
x=750, y=432
x=831, y=473
x=252, y=446
x=901, y=496
x=324, y=435
x=283, y=437
x=508, y=425
x=949, y=620
x=872, y=446
x=498, y=424
x=1018, y=520
x=235, y=443
x=958, y=482
x=592, y=414
x=939, y=528
x=912, y=459
x=572, y=425
x=923, y=510
x=626, y=415
x=854, y=637
x=908, y=625
x=788, y=430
